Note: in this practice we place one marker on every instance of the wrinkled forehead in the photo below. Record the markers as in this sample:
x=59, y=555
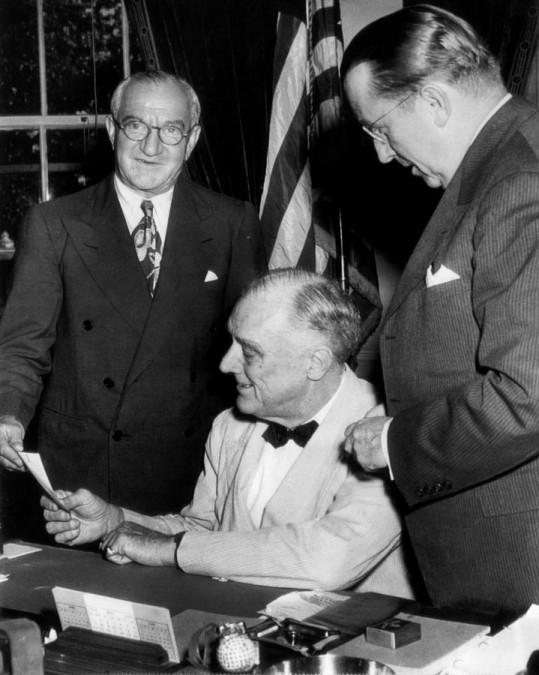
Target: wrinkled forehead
x=167, y=99
x=268, y=307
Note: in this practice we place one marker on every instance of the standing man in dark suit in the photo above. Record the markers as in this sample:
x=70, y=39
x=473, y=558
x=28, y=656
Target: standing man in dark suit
x=460, y=340
x=116, y=321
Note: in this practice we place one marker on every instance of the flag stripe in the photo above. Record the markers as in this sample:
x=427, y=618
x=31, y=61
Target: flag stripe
x=325, y=21
x=288, y=169
x=288, y=249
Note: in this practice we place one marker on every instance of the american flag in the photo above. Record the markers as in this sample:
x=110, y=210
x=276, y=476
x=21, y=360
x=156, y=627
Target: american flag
x=286, y=205
x=301, y=222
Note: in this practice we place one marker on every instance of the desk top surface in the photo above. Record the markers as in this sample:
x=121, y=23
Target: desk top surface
x=32, y=576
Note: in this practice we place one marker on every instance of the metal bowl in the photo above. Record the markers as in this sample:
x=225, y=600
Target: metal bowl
x=329, y=664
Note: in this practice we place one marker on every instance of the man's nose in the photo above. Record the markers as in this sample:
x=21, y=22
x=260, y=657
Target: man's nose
x=230, y=363
x=152, y=144
x=384, y=151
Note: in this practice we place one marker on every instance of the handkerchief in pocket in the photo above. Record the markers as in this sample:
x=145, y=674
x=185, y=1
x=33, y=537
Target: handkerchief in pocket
x=210, y=276
x=442, y=276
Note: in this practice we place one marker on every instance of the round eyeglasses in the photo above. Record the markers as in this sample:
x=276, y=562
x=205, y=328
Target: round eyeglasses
x=170, y=134
x=378, y=134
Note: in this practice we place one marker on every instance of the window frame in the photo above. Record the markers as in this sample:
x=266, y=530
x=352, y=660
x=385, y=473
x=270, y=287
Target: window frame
x=43, y=122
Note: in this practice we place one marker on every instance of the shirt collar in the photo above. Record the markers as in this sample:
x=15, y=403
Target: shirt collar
x=130, y=201
x=322, y=413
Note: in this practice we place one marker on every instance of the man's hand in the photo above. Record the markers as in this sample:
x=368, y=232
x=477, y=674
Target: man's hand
x=364, y=440
x=131, y=542
x=83, y=518
x=11, y=437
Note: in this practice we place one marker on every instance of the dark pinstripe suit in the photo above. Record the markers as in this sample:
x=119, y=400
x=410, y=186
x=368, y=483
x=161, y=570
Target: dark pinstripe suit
x=461, y=368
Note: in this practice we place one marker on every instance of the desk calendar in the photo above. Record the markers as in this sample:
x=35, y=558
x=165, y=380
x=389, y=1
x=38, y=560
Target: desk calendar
x=116, y=617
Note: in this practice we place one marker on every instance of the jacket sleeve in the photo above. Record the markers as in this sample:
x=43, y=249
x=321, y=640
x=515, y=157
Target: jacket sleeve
x=488, y=425
x=359, y=530
x=29, y=320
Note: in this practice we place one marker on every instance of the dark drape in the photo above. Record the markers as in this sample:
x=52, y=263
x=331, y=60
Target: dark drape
x=224, y=49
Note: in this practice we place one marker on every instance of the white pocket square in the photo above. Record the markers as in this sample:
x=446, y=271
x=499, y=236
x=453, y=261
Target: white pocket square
x=210, y=276
x=442, y=276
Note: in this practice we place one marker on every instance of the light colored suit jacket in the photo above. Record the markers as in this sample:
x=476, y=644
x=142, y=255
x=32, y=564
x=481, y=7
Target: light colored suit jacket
x=327, y=525
x=461, y=370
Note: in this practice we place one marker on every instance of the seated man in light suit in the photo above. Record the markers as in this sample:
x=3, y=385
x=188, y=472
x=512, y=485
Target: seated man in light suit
x=294, y=516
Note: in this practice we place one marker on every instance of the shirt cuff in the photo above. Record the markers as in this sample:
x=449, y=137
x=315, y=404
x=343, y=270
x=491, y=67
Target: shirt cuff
x=385, y=447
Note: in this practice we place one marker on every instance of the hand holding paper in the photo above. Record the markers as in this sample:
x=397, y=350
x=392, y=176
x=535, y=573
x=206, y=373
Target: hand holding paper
x=82, y=517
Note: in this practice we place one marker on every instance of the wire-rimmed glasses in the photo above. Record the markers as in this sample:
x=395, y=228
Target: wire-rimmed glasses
x=378, y=134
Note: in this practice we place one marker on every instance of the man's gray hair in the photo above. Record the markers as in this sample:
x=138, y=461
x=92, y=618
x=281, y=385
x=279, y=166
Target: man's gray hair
x=318, y=304
x=156, y=76
x=408, y=47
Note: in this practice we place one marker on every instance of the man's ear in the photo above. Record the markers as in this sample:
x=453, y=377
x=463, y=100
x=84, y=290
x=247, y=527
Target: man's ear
x=437, y=98
x=320, y=362
x=192, y=140
x=111, y=129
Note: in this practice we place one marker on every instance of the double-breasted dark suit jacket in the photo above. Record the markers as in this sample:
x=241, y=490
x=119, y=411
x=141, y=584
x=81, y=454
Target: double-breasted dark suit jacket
x=131, y=384
x=461, y=367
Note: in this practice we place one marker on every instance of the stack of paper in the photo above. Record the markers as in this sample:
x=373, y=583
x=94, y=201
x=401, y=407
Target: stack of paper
x=506, y=653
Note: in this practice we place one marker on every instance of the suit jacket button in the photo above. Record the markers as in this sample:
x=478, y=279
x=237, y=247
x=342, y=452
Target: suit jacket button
x=87, y=324
x=108, y=383
x=193, y=377
x=439, y=487
x=420, y=492
x=117, y=435
x=447, y=485
x=189, y=432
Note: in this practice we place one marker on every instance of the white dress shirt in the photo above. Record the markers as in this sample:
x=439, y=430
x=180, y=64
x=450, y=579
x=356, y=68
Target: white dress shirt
x=130, y=202
x=274, y=464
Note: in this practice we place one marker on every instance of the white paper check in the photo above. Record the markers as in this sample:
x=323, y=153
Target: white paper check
x=32, y=461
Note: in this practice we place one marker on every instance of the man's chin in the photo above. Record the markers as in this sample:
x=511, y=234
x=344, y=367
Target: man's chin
x=431, y=181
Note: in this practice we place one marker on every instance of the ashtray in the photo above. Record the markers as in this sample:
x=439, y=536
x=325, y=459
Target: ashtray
x=329, y=664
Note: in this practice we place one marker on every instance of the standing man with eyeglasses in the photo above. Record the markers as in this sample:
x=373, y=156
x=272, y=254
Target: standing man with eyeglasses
x=460, y=339
x=116, y=321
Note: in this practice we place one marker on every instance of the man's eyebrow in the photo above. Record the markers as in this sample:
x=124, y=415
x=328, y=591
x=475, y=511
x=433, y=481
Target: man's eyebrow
x=249, y=344
x=176, y=123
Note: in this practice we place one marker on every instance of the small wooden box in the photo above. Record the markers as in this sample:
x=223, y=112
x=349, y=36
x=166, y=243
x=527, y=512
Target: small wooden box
x=393, y=633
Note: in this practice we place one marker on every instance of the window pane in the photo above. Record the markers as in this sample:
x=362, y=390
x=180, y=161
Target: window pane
x=83, y=53
x=19, y=176
x=19, y=59
x=77, y=159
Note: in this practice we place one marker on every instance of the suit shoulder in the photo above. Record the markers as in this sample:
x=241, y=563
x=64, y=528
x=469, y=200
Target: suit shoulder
x=67, y=204
x=520, y=152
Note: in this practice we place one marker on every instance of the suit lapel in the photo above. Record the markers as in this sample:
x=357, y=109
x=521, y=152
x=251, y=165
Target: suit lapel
x=316, y=465
x=456, y=200
x=102, y=240
x=445, y=219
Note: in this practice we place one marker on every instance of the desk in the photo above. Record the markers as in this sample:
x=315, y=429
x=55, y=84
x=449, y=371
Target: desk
x=31, y=578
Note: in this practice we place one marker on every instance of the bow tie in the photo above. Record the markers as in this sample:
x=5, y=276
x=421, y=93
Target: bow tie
x=277, y=435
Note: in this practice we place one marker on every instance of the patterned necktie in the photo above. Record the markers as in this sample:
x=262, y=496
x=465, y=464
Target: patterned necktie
x=148, y=245
x=277, y=435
